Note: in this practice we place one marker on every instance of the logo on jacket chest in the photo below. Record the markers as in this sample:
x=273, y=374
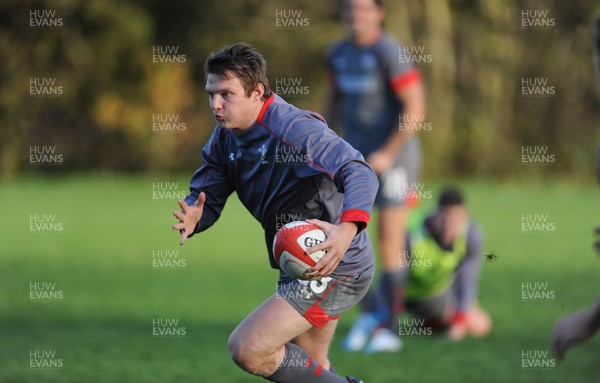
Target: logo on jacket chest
x=249, y=156
x=263, y=154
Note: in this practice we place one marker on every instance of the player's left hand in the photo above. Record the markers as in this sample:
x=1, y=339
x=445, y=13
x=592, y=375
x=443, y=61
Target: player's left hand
x=337, y=243
x=381, y=161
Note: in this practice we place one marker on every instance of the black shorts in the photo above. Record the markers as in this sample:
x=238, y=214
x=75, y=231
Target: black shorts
x=320, y=301
x=435, y=309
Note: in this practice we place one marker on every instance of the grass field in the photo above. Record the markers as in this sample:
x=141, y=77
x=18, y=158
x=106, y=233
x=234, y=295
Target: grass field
x=101, y=261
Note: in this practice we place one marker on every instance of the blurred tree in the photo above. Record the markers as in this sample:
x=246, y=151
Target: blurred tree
x=102, y=55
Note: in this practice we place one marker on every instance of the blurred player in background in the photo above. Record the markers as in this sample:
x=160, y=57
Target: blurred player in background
x=374, y=89
x=443, y=257
x=286, y=339
x=582, y=325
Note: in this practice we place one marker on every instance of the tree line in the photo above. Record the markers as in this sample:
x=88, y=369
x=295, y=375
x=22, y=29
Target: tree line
x=118, y=85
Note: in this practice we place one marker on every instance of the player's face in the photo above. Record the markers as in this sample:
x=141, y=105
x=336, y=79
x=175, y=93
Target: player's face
x=362, y=16
x=230, y=105
x=454, y=219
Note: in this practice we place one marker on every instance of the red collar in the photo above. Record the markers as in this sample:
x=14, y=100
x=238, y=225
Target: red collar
x=263, y=110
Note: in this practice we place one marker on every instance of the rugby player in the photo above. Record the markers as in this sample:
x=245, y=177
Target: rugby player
x=376, y=97
x=285, y=339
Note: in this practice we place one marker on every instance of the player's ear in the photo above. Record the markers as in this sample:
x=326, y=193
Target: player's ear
x=381, y=15
x=258, y=92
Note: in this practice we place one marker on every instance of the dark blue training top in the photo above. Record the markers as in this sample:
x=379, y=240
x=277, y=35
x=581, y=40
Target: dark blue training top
x=366, y=80
x=288, y=166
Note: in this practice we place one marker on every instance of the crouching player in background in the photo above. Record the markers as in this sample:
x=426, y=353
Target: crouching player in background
x=443, y=260
x=286, y=339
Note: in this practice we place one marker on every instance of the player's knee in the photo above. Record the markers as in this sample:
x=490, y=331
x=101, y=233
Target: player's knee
x=236, y=351
x=244, y=355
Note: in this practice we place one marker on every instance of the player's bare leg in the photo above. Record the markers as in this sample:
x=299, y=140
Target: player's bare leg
x=256, y=340
x=260, y=345
x=316, y=342
x=392, y=232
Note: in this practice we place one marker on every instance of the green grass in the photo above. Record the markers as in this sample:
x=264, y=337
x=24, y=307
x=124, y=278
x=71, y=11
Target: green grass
x=102, y=262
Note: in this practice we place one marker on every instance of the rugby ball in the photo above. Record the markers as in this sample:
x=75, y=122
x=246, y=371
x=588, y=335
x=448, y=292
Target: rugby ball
x=289, y=245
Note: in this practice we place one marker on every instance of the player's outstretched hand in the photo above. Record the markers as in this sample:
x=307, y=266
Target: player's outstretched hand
x=570, y=330
x=337, y=243
x=188, y=217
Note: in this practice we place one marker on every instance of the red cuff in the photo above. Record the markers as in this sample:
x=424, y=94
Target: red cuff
x=359, y=217
x=403, y=80
x=459, y=317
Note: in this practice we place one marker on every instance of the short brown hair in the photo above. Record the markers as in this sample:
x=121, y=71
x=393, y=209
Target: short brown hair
x=451, y=196
x=243, y=61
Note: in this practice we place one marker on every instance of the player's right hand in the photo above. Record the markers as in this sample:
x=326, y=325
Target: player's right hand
x=188, y=217
x=380, y=161
x=339, y=238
